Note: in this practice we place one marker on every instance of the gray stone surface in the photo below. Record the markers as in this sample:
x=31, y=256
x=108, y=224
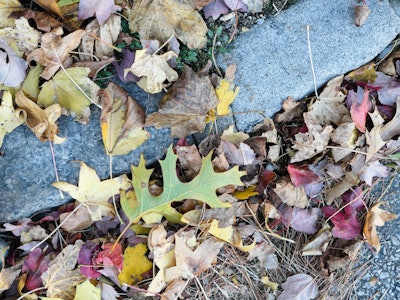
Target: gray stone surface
x=273, y=58
x=26, y=168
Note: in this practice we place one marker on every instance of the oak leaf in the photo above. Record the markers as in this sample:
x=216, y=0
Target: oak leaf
x=299, y=287
x=185, y=106
x=62, y=276
x=201, y=188
x=12, y=67
x=93, y=193
x=10, y=118
x=122, y=121
x=41, y=122
x=160, y=19
x=54, y=50
x=376, y=217
x=102, y=8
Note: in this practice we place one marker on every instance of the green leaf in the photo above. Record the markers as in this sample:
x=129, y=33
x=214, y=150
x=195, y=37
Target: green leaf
x=202, y=188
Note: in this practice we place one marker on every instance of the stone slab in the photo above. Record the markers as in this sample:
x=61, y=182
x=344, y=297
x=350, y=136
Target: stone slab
x=273, y=58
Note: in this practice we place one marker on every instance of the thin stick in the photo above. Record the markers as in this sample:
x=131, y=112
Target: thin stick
x=58, y=227
x=162, y=46
x=212, y=53
x=55, y=166
x=113, y=197
x=201, y=287
x=311, y=61
x=31, y=292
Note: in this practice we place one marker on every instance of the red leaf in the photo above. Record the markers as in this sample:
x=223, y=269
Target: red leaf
x=85, y=259
x=266, y=177
x=346, y=223
x=301, y=175
x=110, y=258
x=35, y=265
x=359, y=109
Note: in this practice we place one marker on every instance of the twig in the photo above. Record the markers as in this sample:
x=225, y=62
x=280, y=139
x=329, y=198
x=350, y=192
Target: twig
x=55, y=166
x=212, y=53
x=311, y=61
x=162, y=46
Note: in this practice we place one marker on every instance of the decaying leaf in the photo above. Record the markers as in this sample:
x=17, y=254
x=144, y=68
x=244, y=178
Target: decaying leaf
x=154, y=70
x=41, y=122
x=7, y=7
x=62, y=276
x=301, y=219
x=185, y=106
x=122, y=121
x=290, y=194
x=361, y=13
x=10, y=118
x=299, y=287
x=54, y=50
x=7, y=277
x=12, y=67
x=319, y=244
x=93, y=193
x=102, y=8
x=160, y=19
x=376, y=217
x=201, y=188
x=72, y=89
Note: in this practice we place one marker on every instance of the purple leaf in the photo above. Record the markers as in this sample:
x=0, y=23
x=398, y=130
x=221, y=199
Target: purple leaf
x=86, y=258
x=301, y=219
x=215, y=8
x=346, y=223
x=17, y=230
x=102, y=8
x=126, y=62
x=236, y=5
x=35, y=265
x=12, y=67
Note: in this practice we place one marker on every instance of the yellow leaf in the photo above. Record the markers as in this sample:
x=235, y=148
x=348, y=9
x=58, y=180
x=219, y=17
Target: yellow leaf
x=364, y=73
x=41, y=122
x=10, y=119
x=135, y=264
x=153, y=69
x=272, y=285
x=30, y=87
x=122, y=121
x=87, y=291
x=376, y=217
x=7, y=7
x=229, y=235
x=226, y=93
x=246, y=194
x=93, y=193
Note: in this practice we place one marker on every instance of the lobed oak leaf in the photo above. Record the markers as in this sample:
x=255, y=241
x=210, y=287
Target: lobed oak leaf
x=54, y=50
x=70, y=89
x=201, y=188
x=122, y=121
x=10, y=118
x=299, y=287
x=185, y=106
x=160, y=19
x=376, y=217
x=41, y=122
x=62, y=276
x=153, y=69
x=93, y=193
x=12, y=67
x=102, y=8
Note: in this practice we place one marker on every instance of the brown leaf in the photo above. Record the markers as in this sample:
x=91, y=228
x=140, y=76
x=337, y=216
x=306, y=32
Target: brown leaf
x=41, y=122
x=185, y=106
x=361, y=13
x=291, y=109
x=160, y=19
x=79, y=220
x=189, y=160
x=290, y=194
x=44, y=22
x=376, y=217
x=388, y=65
x=55, y=50
x=50, y=5
x=344, y=185
x=392, y=128
x=94, y=66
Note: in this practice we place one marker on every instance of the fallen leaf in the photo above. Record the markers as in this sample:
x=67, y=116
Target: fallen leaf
x=110, y=256
x=226, y=93
x=374, y=169
x=361, y=13
x=360, y=107
x=365, y=73
x=265, y=254
x=54, y=50
x=391, y=128
x=272, y=285
x=86, y=260
x=128, y=57
x=299, y=287
x=345, y=135
x=7, y=7
x=376, y=217
x=160, y=19
x=44, y=21
x=243, y=155
x=10, y=118
x=254, y=6
x=189, y=160
x=346, y=223
x=50, y=5
x=215, y=8
x=201, y=188
x=235, y=138
x=291, y=109
x=76, y=220
x=86, y=290
x=135, y=264
x=30, y=86
x=102, y=8
x=72, y=89
x=185, y=106
x=21, y=226
x=93, y=193
x=35, y=264
x=300, y=219
x=8, y=276
x=62, y=277
x=41, y=122
x=153, y=70
x=319, y=244
x=301, y=175
x=122, y=121
x=12, y=67
x=290, y=194
x=388, y=65
x=349, y=180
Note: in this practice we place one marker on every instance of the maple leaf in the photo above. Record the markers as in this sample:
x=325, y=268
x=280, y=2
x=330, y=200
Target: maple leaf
x=299, y=287
x=102, y=8
x=61, y=277
x=160, y=19
x=185, y=106
x=153, y=69
x=376, y=217
x=54, y=50
x=93, y=193
x=10, y=118
x=201, y=188
x=122, y=121
x=12, y=67
x=41, y=122
x=300, y=219
x=71, y=89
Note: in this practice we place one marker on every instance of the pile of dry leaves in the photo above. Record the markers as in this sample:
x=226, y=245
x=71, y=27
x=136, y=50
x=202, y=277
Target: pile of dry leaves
x=280, y=213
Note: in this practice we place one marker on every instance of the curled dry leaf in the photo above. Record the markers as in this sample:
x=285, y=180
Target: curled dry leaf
x=376, y=217
x=122, y=121
x=154, y=70
x=160, y=19
x=361, y=13
x=54, y=50
x=185, y=106
x=319, y=244
x=12, y=67
x=291, y=110
x=10, y=118
x=41, y=122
